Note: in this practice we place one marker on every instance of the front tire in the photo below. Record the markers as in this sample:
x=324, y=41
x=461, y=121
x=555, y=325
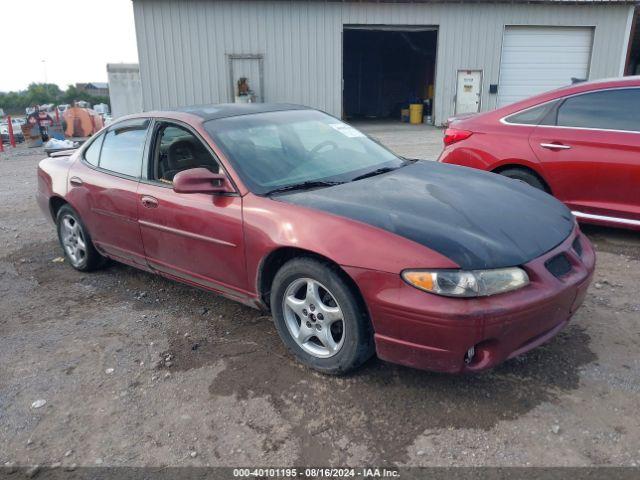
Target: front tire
x=319, y=317
x=76, y=242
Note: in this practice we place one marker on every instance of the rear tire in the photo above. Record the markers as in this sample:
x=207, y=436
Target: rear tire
x=319, y=317
x=76, y=242
x=526, y=177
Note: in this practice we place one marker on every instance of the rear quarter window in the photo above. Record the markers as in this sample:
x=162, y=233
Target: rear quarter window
x=533, y=115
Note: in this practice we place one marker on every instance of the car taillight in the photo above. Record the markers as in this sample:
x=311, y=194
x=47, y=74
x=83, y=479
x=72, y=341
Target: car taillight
x=453, y=135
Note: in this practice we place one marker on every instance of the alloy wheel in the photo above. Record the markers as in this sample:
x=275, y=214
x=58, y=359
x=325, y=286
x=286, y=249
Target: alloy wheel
x=73, y=240
x=313, y=317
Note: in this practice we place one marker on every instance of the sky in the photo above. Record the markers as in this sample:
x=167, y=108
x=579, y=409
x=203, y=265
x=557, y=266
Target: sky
x=64, y=41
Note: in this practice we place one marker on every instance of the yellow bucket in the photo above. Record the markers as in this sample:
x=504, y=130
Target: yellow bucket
x=415, y=113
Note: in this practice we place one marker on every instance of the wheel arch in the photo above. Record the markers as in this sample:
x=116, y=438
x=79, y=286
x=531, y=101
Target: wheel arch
x=275, y=259
x=526, y=168
x=55, y=204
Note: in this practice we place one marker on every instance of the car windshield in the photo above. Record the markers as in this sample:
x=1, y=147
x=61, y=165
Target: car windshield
x=297, y=148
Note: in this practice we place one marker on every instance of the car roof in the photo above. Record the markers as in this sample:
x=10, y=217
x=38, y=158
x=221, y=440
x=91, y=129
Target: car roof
x=576, y=88
x=224, y=110
x=583, y=87
x=601, y=83
x=204, y=113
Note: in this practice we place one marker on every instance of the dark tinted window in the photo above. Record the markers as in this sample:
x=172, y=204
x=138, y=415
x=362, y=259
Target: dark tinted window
x=123, y=148
x=178, y=149
x=92, y=153
x=532, y=116
x=608, y=110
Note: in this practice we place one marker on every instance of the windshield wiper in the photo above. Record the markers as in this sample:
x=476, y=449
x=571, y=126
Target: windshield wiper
x=303, y=186
x=373, y=173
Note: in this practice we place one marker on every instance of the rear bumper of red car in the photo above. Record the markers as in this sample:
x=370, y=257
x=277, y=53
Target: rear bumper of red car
x=431, y=332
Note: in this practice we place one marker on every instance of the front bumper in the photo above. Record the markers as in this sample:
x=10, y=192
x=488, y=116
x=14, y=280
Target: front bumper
x=431, y=332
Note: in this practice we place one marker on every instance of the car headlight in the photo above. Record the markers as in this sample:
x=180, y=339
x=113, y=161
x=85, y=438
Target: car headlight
x=472, y=283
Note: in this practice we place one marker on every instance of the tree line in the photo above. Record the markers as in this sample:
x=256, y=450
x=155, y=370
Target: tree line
x=43, y=93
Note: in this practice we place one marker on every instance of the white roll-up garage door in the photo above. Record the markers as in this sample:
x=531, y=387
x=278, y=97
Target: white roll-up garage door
x=538, y=59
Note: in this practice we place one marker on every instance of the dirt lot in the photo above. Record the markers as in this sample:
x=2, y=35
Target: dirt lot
x=137, y=370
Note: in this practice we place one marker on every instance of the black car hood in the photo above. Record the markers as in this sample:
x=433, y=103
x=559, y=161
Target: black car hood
x=475, y=218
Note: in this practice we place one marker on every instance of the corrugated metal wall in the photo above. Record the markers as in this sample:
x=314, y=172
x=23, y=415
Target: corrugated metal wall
x=183, y=45
x=125, y=88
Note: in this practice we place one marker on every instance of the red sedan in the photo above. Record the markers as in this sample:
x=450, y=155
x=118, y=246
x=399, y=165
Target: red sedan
x=580, y=143
x=353, y=249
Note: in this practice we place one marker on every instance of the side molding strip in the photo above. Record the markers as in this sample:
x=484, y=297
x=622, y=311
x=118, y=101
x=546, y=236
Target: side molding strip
x=184, y=233
x=590, y=216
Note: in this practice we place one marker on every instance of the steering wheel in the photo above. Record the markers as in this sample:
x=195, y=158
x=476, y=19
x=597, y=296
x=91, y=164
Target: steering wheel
x=327, y=143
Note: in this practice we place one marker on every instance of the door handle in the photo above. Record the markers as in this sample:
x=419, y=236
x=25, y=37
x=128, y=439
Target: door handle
x=555, y=146
x=75, y=181
x=149, y=202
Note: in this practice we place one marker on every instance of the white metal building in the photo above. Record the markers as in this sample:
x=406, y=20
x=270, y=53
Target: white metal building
x=125, y=88
x=367, y=58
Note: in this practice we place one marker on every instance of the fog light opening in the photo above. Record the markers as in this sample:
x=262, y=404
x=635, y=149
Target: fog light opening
x=468, y=357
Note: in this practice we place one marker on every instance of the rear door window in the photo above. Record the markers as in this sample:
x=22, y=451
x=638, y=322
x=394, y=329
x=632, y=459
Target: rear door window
x=123, y=148
x=604, y=110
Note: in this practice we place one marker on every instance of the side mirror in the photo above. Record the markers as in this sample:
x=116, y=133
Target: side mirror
x=201, y=180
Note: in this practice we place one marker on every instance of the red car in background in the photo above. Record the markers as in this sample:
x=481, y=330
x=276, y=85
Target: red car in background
x=579, y=143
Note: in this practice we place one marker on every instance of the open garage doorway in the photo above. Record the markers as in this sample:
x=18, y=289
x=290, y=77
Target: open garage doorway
x=386, y=68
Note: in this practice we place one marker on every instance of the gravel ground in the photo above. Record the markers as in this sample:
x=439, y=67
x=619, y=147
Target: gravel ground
x=138, y=370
